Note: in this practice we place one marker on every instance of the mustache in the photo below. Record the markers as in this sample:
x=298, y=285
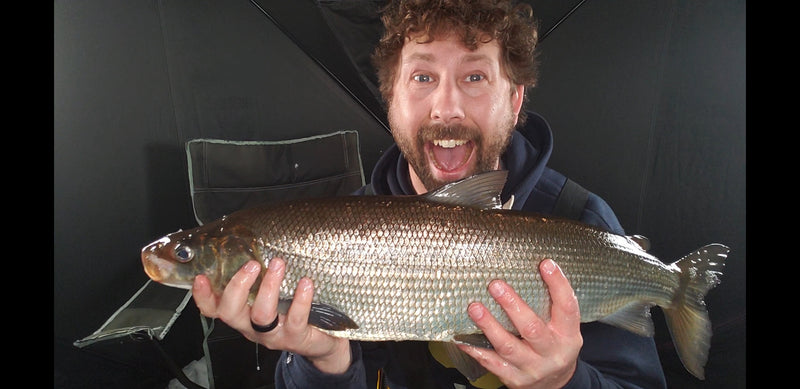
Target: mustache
x=432, y=132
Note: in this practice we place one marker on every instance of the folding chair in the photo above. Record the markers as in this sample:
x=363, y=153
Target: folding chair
x=225, y=176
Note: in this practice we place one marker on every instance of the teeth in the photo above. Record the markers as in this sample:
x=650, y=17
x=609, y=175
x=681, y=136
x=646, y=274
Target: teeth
x=449, y=143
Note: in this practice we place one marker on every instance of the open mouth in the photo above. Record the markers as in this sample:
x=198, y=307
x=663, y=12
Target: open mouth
x=449, y=155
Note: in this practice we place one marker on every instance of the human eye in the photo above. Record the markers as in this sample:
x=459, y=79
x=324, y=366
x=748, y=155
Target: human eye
x=422, y=78
x=475, y=78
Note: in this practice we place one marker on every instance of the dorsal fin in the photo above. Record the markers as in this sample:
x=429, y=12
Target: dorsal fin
x=479, y=191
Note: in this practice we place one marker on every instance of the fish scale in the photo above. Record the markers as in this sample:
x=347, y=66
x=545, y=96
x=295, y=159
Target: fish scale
x=407, y=267
x=412, y=259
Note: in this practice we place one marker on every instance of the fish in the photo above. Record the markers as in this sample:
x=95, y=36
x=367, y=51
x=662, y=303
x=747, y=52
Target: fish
x=396, y=268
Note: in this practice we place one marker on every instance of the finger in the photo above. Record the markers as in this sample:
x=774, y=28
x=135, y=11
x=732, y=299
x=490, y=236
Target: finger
x=265, y=305
x=234, y=297
x=565, y=315
x=529, y=325
x=297, y=317
x=490, y=360
x=503, y=342
x=203, y=297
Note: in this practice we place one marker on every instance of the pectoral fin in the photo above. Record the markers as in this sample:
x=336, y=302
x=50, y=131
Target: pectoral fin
x=322, y=316
x=477, y=340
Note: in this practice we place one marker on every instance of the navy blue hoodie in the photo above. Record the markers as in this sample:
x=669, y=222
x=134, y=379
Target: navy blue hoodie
x=610, y=357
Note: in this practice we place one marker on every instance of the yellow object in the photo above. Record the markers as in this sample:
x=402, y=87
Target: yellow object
x=380, y=380
x=486, y=381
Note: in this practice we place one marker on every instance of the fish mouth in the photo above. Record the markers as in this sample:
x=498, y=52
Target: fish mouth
x=163, y=271
x=156, y=267
x=450, y=157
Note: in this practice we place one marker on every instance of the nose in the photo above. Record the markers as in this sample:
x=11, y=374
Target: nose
x=447, y=103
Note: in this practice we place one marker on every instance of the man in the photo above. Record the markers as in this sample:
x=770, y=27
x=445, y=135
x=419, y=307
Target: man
x=453, y=75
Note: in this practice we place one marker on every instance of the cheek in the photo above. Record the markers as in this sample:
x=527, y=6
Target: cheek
x=500, y=104
x=487, y=107
x=404, y=110
x=398, y=120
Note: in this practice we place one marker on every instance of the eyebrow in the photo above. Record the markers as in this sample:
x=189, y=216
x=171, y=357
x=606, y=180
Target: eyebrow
x=427, y=57
x=476, y=58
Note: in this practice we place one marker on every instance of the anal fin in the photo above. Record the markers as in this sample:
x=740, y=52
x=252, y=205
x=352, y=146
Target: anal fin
x=634, y=317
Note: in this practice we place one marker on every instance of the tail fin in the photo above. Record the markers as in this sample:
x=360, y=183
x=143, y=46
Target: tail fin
x=687, y=317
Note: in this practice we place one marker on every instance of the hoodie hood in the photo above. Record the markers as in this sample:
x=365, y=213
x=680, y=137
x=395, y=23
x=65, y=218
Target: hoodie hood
x=525, y=159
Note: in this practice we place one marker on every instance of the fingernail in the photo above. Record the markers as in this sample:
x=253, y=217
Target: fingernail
x=496, y=289
x=548, y=266
x=475, y=311
x=275, y=265
x=305, y=284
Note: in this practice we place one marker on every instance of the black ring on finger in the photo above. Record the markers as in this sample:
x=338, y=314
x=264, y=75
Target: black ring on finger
x=267, y=328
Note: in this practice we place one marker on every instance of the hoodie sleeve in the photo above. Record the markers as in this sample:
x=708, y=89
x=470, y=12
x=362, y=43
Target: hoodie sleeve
x=598, y=213
x=295, y=372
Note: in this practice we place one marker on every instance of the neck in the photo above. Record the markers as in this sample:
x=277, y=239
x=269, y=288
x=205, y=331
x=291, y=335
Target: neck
x=415, y=181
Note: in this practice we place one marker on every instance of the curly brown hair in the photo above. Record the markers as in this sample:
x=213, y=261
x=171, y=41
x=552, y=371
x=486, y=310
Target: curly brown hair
x=476, y=21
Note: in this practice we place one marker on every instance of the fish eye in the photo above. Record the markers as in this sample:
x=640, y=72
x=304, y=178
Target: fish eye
x=184, y=253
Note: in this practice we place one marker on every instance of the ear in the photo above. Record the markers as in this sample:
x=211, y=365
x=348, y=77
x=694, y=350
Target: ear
x=517, y=98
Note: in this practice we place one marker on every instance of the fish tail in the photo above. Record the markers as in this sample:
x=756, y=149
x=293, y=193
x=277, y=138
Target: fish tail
x=687, y=317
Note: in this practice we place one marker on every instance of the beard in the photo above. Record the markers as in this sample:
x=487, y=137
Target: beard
x=487, y=149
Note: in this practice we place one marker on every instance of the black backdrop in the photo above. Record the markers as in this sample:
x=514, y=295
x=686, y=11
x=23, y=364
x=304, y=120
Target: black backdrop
x=646, y=98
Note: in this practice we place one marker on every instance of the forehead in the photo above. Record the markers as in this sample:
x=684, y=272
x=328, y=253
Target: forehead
x=449, y=49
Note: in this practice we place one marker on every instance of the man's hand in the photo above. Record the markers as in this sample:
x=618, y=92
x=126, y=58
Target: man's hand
x=547, y=353
x=293, y=334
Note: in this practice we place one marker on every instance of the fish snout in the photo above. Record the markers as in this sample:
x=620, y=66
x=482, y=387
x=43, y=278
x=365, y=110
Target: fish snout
x=156, y=267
